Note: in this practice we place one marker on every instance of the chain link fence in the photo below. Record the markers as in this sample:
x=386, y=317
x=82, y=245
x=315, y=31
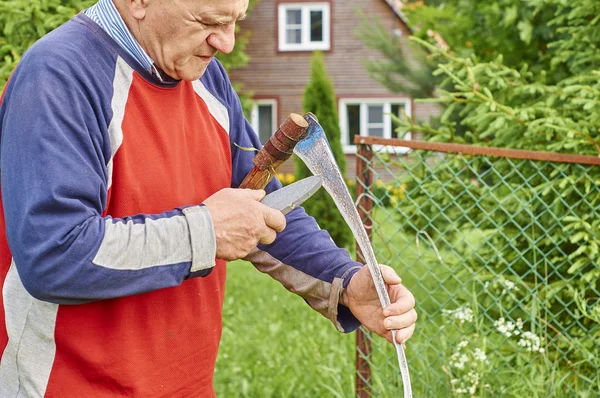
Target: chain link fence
x=501, y=249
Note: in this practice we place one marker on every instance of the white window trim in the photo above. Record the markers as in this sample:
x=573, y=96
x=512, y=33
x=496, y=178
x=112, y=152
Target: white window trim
x=306, y=44
x=387, y=103
x=254, y=114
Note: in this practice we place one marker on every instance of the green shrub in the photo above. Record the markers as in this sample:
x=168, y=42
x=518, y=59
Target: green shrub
x=545, y=227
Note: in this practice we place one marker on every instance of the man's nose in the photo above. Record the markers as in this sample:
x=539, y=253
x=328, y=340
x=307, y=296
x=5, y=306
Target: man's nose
x=223, y=40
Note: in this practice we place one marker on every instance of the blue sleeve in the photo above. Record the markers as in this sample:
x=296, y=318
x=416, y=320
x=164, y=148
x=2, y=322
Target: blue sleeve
x=54, y=152
x=303, y=258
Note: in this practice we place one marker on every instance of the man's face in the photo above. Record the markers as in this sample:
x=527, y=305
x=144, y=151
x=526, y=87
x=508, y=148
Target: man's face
x=182, y=36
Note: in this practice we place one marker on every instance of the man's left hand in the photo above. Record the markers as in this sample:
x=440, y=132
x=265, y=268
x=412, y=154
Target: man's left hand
x=361, y=298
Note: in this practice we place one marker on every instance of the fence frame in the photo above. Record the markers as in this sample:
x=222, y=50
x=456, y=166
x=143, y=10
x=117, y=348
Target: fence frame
x=364, y=179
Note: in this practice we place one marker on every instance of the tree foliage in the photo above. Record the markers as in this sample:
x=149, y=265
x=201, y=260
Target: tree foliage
x=507, y=104
x=404, y=67
x=518, y=30
x=23, y=22
x=514, y=106
x=319, y=98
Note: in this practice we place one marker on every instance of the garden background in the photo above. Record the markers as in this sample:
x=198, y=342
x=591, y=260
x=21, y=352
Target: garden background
x=510, y=307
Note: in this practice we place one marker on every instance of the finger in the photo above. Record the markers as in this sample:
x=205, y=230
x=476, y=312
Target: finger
x=268, y=236
x=400, y=321
x=274, y=219
x=389, y=275
x=405, y=334
x=388, y=336
x=404, y=303
x=254, y=194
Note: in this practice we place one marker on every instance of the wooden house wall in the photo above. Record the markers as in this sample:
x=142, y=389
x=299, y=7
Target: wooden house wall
x=282, y=76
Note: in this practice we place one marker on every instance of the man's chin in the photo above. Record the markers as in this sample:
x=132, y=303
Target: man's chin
x=191, y=76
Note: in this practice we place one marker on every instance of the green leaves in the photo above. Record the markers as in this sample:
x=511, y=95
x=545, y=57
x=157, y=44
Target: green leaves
x=543, y=216
x=405, y=69
x=525, y=31
x=23, y=22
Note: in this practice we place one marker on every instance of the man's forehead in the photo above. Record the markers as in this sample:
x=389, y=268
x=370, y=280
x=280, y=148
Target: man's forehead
x=219, y=8
x=220, y=4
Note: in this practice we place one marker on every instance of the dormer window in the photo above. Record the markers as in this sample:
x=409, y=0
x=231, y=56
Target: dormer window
x=304, y=26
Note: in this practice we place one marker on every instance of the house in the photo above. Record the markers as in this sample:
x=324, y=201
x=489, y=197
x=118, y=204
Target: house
x=284, y=34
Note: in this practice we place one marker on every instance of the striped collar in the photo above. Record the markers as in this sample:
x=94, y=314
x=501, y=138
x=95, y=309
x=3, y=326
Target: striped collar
x=105, y=14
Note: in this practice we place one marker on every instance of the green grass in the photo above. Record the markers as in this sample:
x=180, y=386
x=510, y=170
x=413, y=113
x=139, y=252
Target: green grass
x=274, y=345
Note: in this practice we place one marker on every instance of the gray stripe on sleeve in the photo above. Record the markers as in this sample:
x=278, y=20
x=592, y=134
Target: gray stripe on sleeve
x=121, y=86
x=202, y=233
x=28, y=357
x=129, y=246
x=337, y=288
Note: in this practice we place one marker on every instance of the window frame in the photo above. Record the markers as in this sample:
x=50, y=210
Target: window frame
x=387, y=103
x=254, y=122
x=305, y=44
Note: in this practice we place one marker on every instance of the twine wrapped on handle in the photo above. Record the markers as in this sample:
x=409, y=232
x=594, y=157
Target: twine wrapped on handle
x=275, y=152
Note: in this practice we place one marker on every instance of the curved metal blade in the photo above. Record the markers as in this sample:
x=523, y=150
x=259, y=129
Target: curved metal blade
x=314, y=150
x=289, y=197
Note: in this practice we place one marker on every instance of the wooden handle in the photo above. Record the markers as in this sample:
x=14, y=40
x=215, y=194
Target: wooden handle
x=276, y=151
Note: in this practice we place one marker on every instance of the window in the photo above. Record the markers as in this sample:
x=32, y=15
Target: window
x=304, y=26
x=370, y=118
x=264, y=119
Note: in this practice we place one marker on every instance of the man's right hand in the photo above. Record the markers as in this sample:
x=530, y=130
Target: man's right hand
x=241, y=221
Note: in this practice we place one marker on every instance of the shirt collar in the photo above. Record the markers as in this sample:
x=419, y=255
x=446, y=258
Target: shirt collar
x=106, y=15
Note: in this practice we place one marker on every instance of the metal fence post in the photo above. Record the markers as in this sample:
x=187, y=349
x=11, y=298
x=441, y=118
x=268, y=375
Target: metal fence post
x=364, y=176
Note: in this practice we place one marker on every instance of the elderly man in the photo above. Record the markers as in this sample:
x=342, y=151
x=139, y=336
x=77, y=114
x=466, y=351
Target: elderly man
x=119, y=162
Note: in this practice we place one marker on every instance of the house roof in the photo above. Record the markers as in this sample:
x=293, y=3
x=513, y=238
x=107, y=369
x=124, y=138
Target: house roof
x=397, y=6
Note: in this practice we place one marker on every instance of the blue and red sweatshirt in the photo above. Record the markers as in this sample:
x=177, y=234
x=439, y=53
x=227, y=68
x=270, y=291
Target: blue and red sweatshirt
x=110, y=286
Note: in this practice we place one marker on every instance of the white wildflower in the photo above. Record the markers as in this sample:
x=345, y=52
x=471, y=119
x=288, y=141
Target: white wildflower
x=509, y=286
x=531, y=342
x=465, y=364
x=474, y=378
x=479, y=355
x=473, y=388
x=459, y=360
x=462, y=361
x=506, y=328
x=520, y=324
x=461, y=314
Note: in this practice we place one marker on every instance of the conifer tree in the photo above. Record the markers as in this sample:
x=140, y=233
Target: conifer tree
x=517, y=30
x=319, y=98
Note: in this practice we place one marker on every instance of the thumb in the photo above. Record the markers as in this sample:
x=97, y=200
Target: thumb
x=389, y=275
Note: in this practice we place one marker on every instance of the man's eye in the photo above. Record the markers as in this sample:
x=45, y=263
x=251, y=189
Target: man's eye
x=217, y=24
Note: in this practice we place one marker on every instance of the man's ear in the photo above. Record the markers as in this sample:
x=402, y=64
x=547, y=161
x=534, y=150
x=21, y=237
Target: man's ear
x=137, y=8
